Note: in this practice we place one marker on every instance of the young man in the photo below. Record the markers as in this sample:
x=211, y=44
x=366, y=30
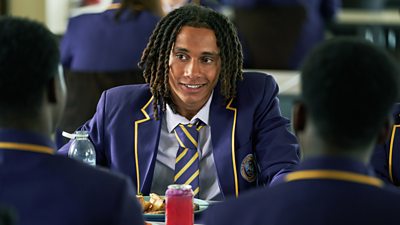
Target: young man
x=37, y=186
x=193, y=67
x=337, y=127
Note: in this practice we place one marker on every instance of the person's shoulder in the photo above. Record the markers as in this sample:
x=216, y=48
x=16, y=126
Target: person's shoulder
x=136, y=89
x=137, y=93
x=249, y=204
x=256, y=81
x=83, y=18
x=73, y=171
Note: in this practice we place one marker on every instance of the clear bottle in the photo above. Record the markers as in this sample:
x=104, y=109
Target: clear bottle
x=82, y=148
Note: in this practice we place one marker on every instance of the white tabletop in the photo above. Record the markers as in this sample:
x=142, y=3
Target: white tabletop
x=388, y=17
x=288, y=80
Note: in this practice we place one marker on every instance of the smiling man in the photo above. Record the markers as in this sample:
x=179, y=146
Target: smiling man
x=198, y=120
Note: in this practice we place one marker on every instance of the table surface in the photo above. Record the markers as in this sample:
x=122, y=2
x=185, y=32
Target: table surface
x=288, y=80
x=388, y=17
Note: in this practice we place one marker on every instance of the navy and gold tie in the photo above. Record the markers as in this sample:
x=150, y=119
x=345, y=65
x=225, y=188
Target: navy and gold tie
x=187, y=159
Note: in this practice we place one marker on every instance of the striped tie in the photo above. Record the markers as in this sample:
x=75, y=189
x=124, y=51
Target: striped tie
x=187, y=159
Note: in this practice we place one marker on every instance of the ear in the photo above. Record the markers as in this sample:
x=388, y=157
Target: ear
x=51, y=90
x=385, y=131
x=299, y=117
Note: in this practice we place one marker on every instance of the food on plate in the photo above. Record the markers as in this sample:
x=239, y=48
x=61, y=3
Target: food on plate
x=156, y=204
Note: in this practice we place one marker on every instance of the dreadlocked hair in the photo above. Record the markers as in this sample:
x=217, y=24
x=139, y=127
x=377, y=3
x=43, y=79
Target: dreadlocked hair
x=155, y=57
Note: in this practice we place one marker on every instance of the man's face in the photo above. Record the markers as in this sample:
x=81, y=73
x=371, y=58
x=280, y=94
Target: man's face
x=194, y=66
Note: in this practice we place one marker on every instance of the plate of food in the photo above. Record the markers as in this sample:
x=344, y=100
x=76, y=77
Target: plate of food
x=154, y=206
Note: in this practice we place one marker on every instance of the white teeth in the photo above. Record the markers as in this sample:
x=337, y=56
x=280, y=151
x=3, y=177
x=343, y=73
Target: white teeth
x=193, y=86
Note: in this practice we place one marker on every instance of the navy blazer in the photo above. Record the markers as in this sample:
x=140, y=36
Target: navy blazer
x=244, y=130
x=322, y=191
x=96, y=42
x=386, y=157
x=43, y=188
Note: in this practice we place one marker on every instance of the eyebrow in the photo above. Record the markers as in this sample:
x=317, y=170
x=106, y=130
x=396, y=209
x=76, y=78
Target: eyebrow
x=178, y=49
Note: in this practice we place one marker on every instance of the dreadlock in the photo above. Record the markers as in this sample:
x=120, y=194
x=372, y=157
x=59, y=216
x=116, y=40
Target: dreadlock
x=155, y=58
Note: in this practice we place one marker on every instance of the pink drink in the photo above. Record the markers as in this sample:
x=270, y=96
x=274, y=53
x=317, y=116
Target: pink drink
x=179, y=205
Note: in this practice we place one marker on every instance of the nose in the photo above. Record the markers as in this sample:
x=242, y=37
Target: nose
x=192, y=68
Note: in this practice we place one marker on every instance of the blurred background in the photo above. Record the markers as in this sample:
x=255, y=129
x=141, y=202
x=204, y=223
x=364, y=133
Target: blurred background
x=275, y=34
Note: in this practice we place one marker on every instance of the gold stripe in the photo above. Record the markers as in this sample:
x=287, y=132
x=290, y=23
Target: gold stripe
x=195, y=174
x=233, y=147
x=199, y=127
x=196, y=191
x=26, y=147
x=188, y=135
x=179, y=140
x=195, y=156
x=335, y=175
x=136, y=142
x=391, y=152
x=183, y=153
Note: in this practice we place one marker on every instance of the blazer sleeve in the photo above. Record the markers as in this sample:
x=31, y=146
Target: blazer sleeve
x=276, y=148
x=95, y=127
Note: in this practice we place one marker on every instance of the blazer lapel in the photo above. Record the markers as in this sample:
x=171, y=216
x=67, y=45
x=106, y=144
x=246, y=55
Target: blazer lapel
x=146, y=137
x=223, y=125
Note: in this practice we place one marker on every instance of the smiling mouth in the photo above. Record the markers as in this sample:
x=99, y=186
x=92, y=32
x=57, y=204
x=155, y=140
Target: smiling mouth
x=193, y=86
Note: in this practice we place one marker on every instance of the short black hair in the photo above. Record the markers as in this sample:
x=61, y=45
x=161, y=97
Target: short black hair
x=155, y=58
x=29, y=58
x=349, y=86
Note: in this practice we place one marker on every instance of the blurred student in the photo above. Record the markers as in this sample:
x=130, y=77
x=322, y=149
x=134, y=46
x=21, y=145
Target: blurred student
x=169, y=5
x=312, y=31
x=102, y=50
x=334, y=184
x=37, y=185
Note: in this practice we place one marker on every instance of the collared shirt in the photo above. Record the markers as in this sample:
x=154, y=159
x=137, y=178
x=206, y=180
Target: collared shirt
x=168, y=147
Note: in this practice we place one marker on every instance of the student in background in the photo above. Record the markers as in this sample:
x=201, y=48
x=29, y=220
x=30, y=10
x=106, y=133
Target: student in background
x=38, y=186
x=337, y=134
x=312, y=31
x=102, y=50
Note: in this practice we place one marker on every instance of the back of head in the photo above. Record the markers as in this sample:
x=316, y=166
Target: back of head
x=29, y=58
x=155, y=58
x=349, y=87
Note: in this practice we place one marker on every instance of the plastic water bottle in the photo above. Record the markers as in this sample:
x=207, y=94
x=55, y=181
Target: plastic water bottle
x=82, y=148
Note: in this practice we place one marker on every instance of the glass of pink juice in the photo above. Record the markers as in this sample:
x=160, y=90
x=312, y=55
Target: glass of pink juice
x=179, y=205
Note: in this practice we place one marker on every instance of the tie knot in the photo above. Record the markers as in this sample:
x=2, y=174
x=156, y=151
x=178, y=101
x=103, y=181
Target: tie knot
x=187, y=134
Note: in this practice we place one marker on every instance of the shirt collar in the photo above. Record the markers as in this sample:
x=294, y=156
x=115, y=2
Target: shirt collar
x=25, y=137
x=173, y=119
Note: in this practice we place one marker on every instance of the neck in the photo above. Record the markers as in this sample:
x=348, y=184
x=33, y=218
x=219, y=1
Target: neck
x=313, y=144
x=34, y=124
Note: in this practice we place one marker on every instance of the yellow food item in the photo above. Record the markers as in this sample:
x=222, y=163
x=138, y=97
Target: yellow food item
x=156, y=204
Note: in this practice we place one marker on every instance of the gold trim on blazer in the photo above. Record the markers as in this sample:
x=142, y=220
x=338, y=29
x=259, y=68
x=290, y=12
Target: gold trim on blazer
x=233, y=147
x=143, y=109
x=334, y=175
x=27, y=147
x=391, y=152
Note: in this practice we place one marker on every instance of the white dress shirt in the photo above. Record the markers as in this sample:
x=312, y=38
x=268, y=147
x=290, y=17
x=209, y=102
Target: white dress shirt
x=168, y=147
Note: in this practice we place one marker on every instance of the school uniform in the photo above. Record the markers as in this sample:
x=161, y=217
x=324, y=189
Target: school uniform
x=244, y=130
x=99, y=52
x=39, y=187
x=323, y=190
x=386, y=157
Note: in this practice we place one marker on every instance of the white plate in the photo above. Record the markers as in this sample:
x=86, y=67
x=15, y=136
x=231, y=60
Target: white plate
x=203, y=205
